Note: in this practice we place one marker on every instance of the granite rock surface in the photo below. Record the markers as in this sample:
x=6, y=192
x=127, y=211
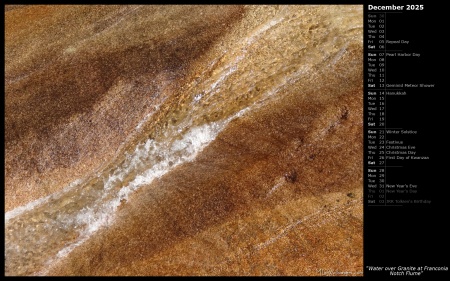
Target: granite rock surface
x=183, y=140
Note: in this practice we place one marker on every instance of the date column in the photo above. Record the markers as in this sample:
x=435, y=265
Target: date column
x=375, y=108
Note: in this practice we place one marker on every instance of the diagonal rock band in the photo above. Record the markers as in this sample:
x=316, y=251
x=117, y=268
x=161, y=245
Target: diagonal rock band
x=183, y=140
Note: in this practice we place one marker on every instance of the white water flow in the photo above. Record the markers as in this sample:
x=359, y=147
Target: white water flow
x=49, y=228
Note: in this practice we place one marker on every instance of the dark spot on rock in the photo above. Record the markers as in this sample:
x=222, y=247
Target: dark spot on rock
x=351, y=195
x=344, y=114
x=291, y=176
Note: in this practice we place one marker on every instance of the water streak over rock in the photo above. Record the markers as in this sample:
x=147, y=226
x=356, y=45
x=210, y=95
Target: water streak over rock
x=183, y=140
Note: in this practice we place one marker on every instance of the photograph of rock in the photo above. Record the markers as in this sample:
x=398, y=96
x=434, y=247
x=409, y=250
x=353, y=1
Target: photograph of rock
x=183, y=140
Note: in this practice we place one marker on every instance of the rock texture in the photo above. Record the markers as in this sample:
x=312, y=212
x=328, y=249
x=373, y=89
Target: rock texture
x=79, y=79
x=278, y=190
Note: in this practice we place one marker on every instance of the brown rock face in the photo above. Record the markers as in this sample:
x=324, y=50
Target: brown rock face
x=211, y=140
x=75, y=90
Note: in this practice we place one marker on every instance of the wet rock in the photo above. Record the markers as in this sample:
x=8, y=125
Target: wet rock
x=258, y=95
